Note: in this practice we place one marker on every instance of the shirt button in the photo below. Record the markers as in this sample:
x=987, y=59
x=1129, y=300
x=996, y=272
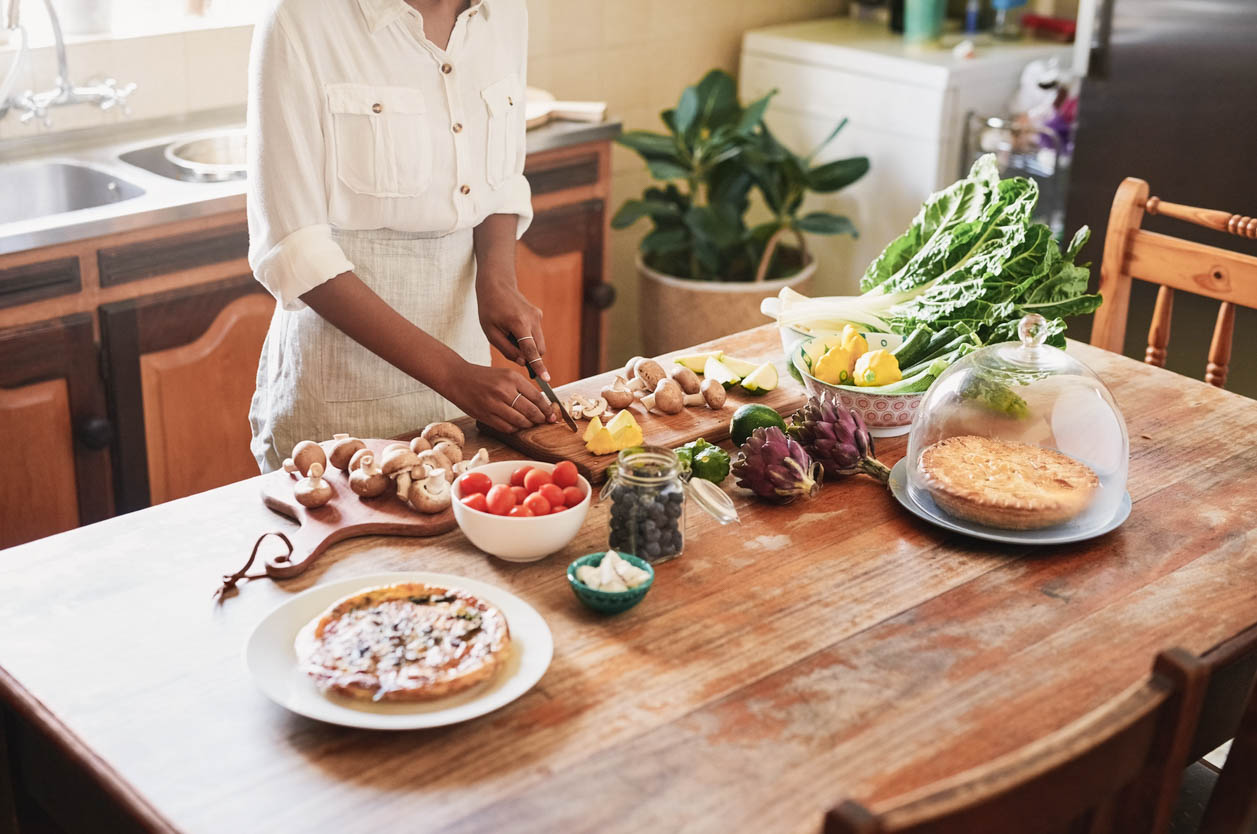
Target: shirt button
x=466, y=189
x=457, y=127
x=377, y=108
x=510, y=101
x=471, y=13
x=447, y=68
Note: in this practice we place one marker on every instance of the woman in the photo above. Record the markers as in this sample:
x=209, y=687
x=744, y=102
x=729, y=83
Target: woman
x=386, y=192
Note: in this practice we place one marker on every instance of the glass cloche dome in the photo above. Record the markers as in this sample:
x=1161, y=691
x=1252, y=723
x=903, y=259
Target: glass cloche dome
x=1020, y=436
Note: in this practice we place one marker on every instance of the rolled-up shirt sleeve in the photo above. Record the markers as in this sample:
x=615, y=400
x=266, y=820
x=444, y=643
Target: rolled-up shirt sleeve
x=291, y=249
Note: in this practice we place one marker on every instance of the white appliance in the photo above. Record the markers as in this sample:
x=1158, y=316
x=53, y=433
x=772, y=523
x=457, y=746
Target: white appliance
x=906, y=108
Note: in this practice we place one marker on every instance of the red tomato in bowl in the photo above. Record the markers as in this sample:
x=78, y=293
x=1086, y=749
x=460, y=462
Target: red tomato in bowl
x=537, y=504
x=557, y=508
x=521, y=512
x=552, y=493
x=476, y=501
x=535, y=479
x=500, y=499
x=520, y=494
x=517, y=477
x=565, y=474
x=474, y=482
x=573, y=495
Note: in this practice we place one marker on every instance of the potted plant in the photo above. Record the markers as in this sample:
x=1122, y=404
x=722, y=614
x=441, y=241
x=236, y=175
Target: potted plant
x=704, y=268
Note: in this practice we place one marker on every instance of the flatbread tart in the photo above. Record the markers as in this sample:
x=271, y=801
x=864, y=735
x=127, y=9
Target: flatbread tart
x=404, y=642
x=999, y=483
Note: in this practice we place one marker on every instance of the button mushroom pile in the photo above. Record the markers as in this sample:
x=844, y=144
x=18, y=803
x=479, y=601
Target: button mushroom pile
x=420, y=472
x=659, y=390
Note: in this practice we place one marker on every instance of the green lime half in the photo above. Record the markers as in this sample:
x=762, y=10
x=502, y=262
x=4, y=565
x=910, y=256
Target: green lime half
x=750, y=417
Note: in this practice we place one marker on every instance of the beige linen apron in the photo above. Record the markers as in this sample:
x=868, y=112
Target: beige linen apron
x=314, y=381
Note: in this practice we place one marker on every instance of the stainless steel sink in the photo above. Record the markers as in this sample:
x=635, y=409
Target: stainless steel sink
x=38, y=189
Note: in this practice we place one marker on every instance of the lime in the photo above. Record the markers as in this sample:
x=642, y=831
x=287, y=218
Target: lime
x=750, y=417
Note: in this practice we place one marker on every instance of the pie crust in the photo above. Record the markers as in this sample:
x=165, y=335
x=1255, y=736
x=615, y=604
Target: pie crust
x=404, y=642
x=999, y=483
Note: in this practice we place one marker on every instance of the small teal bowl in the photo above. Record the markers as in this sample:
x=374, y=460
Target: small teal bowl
x=609, y=602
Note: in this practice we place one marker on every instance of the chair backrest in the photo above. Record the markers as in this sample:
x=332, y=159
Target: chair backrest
x=1229, y=709
x=1175, y=264
x=1117, y=769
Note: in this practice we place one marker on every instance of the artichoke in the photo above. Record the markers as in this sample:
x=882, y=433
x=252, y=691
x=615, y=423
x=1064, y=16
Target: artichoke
x=837, y=438
x=776, y=467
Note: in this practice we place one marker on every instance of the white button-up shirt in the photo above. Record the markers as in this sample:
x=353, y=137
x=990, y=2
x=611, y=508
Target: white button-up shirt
x=357, y=121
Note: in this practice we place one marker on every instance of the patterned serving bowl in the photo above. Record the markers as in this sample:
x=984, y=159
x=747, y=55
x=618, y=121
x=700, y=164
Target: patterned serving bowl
x=886, y=415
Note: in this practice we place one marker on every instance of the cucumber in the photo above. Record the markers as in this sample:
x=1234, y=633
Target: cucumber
x=913, y=346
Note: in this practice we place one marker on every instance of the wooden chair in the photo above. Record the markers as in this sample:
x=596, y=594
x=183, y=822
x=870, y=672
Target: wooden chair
x=1232, y=807
x=1117, y=769
x=1175, y=264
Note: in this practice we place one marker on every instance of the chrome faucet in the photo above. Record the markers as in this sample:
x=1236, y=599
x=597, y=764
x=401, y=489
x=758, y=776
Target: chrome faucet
x=106, y=94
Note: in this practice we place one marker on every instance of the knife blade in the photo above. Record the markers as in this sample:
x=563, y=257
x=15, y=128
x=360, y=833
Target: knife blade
x=549, y=392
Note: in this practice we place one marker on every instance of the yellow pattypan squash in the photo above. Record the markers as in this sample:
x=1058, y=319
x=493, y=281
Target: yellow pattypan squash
x=835, y=366
x=854, y=341
x=877, y=367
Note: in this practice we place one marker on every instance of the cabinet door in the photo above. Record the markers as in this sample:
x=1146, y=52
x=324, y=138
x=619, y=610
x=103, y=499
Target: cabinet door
x=182, y=367
x=54, y=473
x=559, y=264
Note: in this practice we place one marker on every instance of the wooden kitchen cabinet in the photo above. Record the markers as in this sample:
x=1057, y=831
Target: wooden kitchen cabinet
x=54, y=471
x=182, y=367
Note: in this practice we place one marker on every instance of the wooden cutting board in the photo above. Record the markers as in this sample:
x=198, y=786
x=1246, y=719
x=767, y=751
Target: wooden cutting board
x=344, y=517
x=554, y=442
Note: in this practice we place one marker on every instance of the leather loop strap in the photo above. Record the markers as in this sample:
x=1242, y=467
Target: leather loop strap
x=230, y=581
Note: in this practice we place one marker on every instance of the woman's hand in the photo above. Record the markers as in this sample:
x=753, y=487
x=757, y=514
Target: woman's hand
x=505, y=313
x=498, y=397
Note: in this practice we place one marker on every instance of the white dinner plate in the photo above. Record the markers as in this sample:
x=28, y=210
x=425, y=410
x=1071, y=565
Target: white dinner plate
x=271, y=659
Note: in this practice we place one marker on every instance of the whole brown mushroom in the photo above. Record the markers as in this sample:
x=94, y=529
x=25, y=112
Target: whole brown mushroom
x=631, y=365
x=617, y=394
x=668, y=397
x=452, y=451
x=356, y=460
x=437, y=432
x=687, y=379
x=711, y=393
x=430, y=495
x=646, y=375
x=307, y=452
x=312, y=491
x=419, y=444
x=368, y=480
x=343, y=450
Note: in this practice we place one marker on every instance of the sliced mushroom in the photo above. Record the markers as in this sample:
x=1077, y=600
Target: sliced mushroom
x=431, y=494
x=687, y=379
x=356, y=460
x=419, y=444
x=307, y=452
x=444, y=431
x=646, y=375
x=436, y=460
x=452, y=451
x=343, y=450
x=711, y=392
x=668, y=397
x=368, y=480
x=478, y=459
x=312, y=491
x=584, y=408
x=617, y=394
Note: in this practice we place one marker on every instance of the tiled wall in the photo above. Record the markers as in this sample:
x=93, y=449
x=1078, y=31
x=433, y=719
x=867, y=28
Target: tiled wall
x=637, y=55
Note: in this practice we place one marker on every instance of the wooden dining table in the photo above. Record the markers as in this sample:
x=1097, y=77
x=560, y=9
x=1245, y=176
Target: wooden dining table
x=831, y=648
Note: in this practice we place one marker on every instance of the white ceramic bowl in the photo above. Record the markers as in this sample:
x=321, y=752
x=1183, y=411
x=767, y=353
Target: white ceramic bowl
x=519, y=539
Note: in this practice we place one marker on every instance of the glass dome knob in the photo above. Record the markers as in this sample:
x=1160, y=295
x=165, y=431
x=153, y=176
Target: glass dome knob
x=1032, y=330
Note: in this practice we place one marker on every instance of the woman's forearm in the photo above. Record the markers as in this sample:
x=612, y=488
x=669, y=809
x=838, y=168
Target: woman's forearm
x=495, y=248
x=354, y=309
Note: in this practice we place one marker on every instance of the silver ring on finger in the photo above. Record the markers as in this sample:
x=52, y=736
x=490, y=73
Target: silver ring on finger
x=517, y=396
x=530, y=361
x=522, y=338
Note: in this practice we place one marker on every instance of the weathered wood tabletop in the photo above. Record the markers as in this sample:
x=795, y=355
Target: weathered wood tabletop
x=820, y=650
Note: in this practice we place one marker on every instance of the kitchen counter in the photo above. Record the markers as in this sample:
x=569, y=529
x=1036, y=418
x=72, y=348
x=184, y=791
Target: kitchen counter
x=167, y=200
x=826, y=649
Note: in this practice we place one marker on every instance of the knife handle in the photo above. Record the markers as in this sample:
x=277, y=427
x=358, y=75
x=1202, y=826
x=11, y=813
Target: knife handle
x=531, y=373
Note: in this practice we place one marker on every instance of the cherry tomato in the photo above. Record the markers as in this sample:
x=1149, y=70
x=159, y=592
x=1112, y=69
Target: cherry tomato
x=474, y=482
x=517, y=477
x=535, y=479
x=573, y=495
x=476, y=501
x=565, y=474
x=552, y=494
x=500, y=499
x=520, y=494
x=537, y=504
x=521, y=512
x=557, y=509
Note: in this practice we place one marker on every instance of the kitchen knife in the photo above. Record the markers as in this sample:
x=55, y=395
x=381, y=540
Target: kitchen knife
x=549, y=392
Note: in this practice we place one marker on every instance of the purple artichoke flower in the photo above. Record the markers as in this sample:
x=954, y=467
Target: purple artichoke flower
x=776, y=467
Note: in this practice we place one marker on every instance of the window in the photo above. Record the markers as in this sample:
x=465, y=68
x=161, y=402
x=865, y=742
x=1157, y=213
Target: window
x=91, y=19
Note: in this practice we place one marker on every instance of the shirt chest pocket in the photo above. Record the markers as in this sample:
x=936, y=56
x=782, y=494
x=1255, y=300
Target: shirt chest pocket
x=380, y=139
x=505, y=103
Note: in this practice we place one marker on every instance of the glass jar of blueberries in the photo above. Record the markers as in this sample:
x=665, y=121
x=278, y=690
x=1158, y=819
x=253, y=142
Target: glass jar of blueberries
x=648, y=489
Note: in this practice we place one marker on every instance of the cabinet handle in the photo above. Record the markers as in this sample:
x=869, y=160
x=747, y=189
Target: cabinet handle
x=94, y=432
x=600, y=296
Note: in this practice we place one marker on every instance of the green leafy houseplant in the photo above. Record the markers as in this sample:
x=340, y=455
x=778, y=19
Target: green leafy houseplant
x=714, y=154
